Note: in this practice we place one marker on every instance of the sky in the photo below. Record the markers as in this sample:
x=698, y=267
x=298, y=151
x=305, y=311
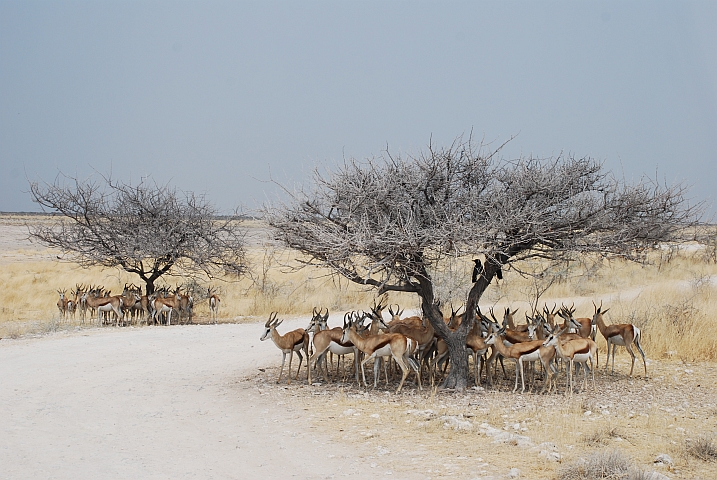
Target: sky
x=219, y=97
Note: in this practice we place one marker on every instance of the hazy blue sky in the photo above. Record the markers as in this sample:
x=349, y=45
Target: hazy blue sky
x=210, y=95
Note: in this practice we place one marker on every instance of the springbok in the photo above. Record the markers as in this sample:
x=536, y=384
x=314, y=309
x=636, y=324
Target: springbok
x=214, y=302
x=624, y=334
x=580, y=351
x=550, y=314
x=509, y=322
x=329, y=340
x=423, y=334
x=586, y=326
x=396, y=345
x=62, y=303
x=524, y=352
x=166, y=305
x=293, y=341
x=104, y=304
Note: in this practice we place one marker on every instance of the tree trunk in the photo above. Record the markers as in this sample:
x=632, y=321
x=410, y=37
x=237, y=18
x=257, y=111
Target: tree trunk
x=456, y=341
x=457, y=377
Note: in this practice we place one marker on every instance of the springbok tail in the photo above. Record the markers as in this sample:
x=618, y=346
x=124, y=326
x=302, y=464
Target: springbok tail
x=638, y=340
x=413, y=363
x=410, y=348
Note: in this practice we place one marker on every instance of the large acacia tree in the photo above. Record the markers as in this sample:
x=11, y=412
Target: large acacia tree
x=147, y=229
x=388, y=222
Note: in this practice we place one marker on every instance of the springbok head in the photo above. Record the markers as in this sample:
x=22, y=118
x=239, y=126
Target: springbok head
x=377, y=309
x=397, y=314
x=553, y=338
x=550, y=314
x=598, y=312
x=508, y=316
x=495, y=336
x=270, y=325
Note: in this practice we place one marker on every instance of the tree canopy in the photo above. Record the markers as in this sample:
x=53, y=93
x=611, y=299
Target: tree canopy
x=146, y=229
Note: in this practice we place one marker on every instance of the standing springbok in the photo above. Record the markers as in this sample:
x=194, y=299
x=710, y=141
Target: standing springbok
x=624, y=334
x=579, y=350
x=329, y=340
x=293, y=341
x=396, y=345
x=62, y=303
x=104, y=304
x=524, y=352
x=214, y=302
x=166, y=305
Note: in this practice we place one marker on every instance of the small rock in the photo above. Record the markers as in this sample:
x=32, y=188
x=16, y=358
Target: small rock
x=513, y=473
x=349, y=412
x=552, y=456
x=663, y=459
x=549, y=446
x=588, y=413
x=456, y=423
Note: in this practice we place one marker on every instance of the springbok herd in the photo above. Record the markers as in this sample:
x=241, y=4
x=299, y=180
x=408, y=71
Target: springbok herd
x=131, y=307
x=412, y=343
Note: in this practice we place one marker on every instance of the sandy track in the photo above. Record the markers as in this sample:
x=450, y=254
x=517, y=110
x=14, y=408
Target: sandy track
x=152, y=403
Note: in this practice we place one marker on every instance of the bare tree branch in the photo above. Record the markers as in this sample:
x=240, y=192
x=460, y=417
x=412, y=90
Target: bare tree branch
x=146, y=229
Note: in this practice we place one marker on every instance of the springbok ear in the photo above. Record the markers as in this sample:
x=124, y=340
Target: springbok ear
x=514, y=311
x=605, y=311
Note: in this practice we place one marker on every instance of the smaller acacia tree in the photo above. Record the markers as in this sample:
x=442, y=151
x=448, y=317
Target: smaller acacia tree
x=146, y=229
x=389, y=222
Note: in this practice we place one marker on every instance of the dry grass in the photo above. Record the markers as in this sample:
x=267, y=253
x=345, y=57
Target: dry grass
x=601, y=436
x=702, y=448
x=602, y=465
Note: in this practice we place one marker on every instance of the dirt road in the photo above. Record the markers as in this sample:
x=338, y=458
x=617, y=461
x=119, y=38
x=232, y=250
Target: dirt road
x=153, y=403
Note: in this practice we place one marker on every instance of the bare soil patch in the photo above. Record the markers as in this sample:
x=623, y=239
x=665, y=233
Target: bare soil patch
x=486, y=433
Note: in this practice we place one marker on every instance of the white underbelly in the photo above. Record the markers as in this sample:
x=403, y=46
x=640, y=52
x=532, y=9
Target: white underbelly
x=617, y=340
x=581, y=357
x=337, y=349
x=531, y=356
x=384, y=351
